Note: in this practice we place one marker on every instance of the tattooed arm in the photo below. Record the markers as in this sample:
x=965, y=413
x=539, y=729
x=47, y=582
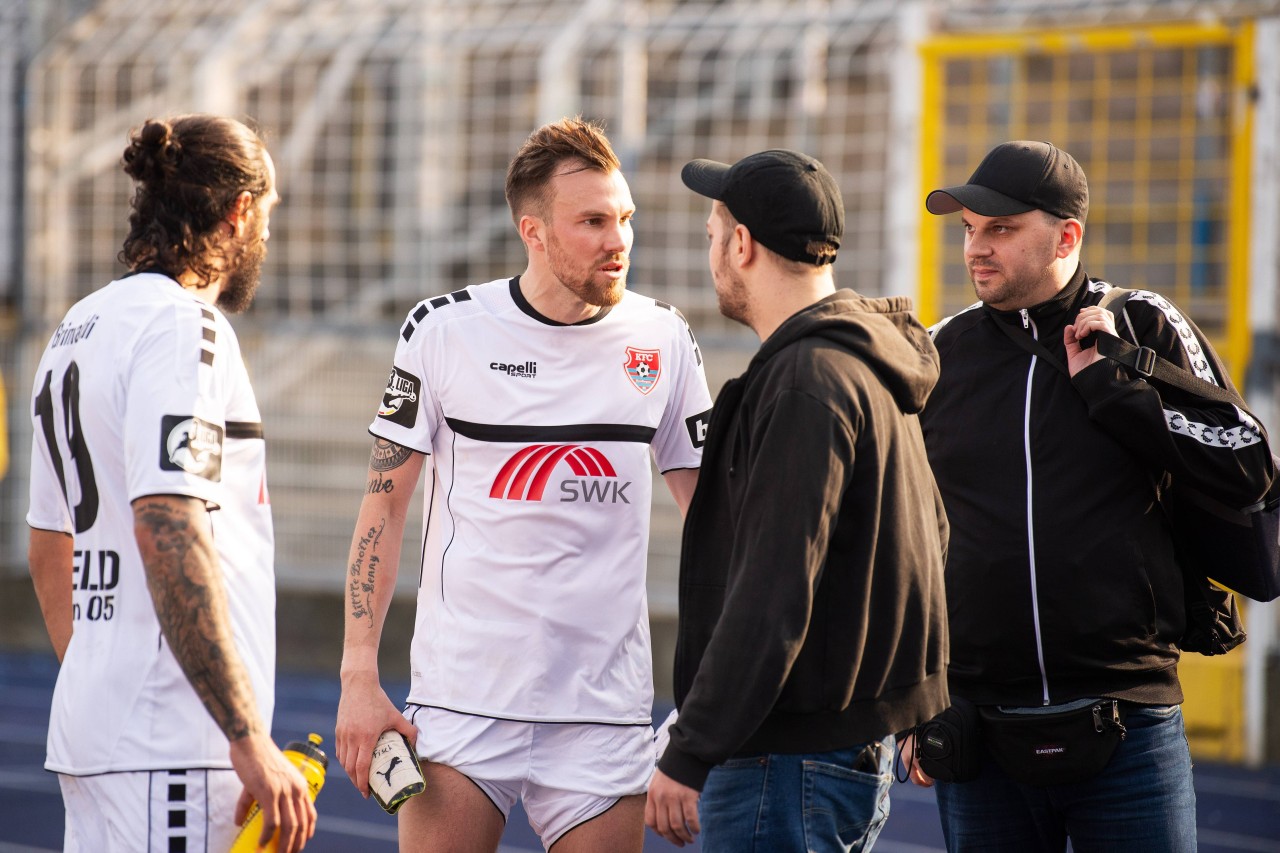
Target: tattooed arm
x=184, y=576
x=364, y=711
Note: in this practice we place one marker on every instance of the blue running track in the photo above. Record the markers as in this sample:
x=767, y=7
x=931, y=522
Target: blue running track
x=1238, y=809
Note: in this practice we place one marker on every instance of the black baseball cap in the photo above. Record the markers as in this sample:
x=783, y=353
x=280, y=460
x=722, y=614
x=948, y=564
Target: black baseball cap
x=1016, y=177
x=786, y=199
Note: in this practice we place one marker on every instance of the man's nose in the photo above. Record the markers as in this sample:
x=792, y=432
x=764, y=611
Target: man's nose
x=975, y=246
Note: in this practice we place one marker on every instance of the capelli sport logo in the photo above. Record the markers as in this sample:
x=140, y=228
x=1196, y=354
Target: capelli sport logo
x=400, y=400
x=528, y=370
x=526, y=475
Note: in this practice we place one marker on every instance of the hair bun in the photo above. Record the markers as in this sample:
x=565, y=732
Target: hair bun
x=153, y=152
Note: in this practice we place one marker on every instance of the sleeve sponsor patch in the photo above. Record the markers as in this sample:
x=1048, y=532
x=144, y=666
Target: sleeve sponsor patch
x=190, y=444
x=697, y=426
x=400, y=400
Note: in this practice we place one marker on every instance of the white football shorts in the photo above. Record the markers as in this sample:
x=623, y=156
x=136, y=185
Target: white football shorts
x=564, y=773
x=166, y=811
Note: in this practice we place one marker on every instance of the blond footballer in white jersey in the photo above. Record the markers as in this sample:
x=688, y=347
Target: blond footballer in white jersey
x=536, y=405
x=531, y=604
x=151, y=541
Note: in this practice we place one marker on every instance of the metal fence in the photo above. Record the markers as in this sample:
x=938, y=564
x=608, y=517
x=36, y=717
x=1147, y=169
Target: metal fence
x=392, y=121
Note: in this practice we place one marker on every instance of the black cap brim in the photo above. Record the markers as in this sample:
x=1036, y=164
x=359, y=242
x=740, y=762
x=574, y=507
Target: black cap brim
x=705, y=177
x=979, y=199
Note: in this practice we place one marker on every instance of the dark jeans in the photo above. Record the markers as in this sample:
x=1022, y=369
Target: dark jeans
x=808, y=803
x=1142, y=802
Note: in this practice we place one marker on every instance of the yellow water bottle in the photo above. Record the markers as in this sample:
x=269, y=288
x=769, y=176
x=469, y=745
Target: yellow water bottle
x=308, y=758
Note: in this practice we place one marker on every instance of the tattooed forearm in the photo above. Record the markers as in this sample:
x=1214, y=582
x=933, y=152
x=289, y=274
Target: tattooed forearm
x=182, y=575
x=387, y=455
x=377, y=485
x=364, y=572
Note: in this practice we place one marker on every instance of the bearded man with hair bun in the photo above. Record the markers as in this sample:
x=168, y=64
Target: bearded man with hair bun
x=151, y=545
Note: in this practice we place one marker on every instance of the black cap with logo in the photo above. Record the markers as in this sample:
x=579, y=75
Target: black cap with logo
x=786, y=199
x=1016, y=177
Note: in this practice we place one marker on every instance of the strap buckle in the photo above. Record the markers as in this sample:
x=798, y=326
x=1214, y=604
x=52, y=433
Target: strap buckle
x=1144, y=361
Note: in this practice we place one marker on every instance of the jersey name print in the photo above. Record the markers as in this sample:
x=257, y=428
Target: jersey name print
x=532, y=600
x=142, y=391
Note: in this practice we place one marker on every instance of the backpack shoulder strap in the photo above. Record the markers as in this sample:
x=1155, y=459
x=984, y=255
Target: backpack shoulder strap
x=1146, y=363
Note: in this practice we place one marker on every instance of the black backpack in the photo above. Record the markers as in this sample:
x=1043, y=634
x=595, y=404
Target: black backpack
x=1237, y=548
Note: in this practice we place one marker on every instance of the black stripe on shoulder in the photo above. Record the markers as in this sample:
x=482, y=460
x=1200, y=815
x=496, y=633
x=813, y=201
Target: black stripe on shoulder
x=559, y=433
x=244, y=429
x=424, y=308
x=206, y=357
x=673, y=309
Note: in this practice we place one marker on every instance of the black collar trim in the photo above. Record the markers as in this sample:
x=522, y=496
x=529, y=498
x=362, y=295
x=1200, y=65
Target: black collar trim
x=523, y=305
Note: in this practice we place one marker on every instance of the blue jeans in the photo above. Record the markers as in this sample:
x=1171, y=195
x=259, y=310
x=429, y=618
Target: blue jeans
x=1142, y=802
x=807, y=803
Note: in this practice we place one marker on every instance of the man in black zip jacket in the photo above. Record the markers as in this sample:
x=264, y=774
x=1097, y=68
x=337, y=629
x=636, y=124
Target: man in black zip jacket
x=1062, y=588
x=812, y=614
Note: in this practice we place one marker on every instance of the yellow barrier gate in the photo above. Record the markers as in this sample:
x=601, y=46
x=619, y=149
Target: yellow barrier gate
x=1160, y=119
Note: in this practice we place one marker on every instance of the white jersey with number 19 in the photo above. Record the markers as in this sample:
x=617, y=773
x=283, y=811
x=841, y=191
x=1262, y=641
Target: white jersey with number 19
x=531, y=604
x=142, y=391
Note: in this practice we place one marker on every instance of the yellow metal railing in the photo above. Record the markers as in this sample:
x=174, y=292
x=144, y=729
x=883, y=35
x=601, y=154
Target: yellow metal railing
x=1159, y=116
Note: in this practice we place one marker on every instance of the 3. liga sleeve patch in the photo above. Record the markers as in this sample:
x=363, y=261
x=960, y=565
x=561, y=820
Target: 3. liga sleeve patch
x=400, y=400
x=190, y=444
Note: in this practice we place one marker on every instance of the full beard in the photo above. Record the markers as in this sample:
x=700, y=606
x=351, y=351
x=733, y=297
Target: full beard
x=602, y=292
x=241, y=285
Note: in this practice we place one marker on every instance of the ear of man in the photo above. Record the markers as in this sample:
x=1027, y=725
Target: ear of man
x=530, y=229
x=238, y=216
x=1071, y=238
x=743, y=248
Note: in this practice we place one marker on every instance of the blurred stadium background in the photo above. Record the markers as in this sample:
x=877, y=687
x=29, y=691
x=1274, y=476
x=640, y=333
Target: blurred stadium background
x=392, y=121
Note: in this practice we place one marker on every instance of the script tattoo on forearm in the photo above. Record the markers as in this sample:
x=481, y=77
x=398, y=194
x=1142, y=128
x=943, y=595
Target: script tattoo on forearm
x=364, y=572
x=191, y=607
x=387, y=455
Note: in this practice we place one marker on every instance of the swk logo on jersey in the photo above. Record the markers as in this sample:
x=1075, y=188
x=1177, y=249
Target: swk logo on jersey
x=190, y=444
x=643, y=367
x=526, y=474
x=400, y=400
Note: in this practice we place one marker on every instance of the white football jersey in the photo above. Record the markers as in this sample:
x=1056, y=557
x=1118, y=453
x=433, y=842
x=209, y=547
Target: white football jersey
x=531, y=602
x=142, y=391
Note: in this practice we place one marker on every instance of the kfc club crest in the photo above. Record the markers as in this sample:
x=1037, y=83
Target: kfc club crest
x=643, y=367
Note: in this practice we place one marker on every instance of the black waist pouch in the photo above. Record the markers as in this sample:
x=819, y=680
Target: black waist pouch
x=1054, y=749
x=949, y=747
